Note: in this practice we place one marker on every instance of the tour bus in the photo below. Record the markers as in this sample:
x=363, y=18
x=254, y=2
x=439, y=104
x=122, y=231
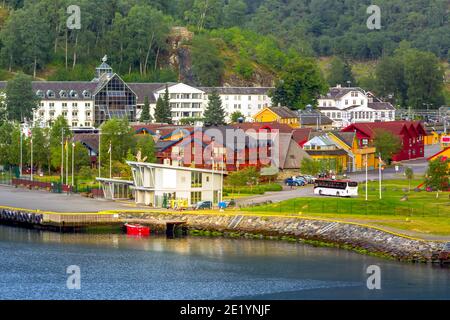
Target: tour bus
x=338, y=188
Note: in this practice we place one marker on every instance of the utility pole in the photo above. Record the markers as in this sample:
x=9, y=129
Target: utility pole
x=21, y=153
x=110, y=160
x=67, y=162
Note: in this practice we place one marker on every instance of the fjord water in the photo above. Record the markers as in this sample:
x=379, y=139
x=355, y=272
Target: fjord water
x=33, y=265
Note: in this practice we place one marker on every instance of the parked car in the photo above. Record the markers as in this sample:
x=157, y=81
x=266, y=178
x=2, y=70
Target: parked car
x=202, y=205
x=230, y=203
x=294, y=182
x=311, y=179
x=304, y=178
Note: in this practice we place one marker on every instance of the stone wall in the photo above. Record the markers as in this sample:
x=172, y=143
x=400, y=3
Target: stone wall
x=348, y=235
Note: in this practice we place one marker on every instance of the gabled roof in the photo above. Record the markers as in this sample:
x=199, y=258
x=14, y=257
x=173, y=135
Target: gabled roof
x=301, y=135
x=396, y=127
x=346, y=137
x=283, y=112
x=438, y=154
x=89, y=140
x=339, y=92
x=314, y=118
x=259, y=126
x=380, y=106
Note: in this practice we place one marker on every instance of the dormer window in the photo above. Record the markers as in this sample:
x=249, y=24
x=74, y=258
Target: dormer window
x=73, y=94
x=40, y=94
x=50, y=93
x=86, y=94
x=63, y=94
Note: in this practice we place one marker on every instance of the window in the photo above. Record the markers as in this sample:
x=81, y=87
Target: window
x=196, y=179
x=74, y=124
x=73, y=94
x=196, y=96
x=87, y=105
x=74, y=105
x=86, y=94
x=87, y=124
x=346, y=102
x=40, y=94
x=63, y=94
x=249, y=98
x=74, y=114
x=51, y=105
x=50, y=94
x=196, y=196
x=41, y=104
x=64, y=104
x=64, y=113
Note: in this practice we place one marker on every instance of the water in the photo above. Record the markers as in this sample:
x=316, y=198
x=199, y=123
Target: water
x=33, y=266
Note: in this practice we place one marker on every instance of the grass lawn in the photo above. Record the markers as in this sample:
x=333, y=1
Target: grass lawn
x=421, y=212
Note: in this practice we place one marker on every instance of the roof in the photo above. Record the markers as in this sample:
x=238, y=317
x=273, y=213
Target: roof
x=237, y=90
x=395, y=127
x=301, y=135
x=283, y=112
x=346, y=137
x=314, y=118
x=438, y=154
x=259, y=126
x=164, y=166
x=90, y=140
x=339, y=92
x=381, y=106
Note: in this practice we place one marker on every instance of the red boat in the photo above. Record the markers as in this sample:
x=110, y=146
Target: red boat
x=137, y=230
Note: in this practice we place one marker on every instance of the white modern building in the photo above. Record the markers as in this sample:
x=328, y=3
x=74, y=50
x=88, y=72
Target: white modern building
x=352, y=105
x=156, y=184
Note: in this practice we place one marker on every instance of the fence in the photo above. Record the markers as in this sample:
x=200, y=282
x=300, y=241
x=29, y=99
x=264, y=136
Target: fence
x=353, y=207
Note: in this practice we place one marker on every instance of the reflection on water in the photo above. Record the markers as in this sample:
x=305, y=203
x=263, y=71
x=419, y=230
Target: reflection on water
x=118, y=266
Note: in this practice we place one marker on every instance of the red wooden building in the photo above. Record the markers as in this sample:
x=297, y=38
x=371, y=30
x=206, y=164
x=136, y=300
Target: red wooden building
x=411, y=134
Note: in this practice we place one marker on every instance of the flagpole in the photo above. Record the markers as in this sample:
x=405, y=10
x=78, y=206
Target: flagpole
x=67, y=163
x=73, y=153
x=21, y=156
x=379, y=171
x=62, y=155
x=31, y=144
x=366, y=176
x=110, y=160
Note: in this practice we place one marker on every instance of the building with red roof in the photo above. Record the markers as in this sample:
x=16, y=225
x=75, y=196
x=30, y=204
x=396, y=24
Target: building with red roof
x=411, y=133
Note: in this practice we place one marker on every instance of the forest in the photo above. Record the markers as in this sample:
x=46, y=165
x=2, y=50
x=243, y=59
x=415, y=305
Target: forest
x=234, y=41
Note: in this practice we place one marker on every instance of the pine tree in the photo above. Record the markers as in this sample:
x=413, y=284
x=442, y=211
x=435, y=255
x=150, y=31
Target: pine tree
x=146, y=117
x=214, y=113
x=162, y=109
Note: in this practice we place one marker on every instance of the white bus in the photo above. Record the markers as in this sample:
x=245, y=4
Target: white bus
x=338, y=188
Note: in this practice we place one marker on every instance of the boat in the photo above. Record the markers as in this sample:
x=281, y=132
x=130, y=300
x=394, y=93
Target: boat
x=137, y=230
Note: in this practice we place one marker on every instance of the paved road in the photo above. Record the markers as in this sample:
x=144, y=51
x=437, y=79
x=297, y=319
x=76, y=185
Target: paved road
x=46, y=201
x=419, y=167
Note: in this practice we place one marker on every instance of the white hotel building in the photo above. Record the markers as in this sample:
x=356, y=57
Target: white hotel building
x=352, y=105
x=90, y=103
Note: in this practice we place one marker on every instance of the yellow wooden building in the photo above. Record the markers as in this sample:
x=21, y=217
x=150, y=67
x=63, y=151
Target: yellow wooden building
x=357, y=154
x=278, y=114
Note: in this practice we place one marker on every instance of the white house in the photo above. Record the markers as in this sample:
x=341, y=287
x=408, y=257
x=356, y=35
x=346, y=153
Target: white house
x=155, y=184
x=351, y=105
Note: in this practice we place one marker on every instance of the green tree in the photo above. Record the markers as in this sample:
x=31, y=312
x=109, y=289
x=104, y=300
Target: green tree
x=390, y=80
x=118, y=134
x=234, y=13
x=207, y=64
x=163, y=112
x=300, y=84
x=386, y=144
x=59, y=132
x=310, y=166
x=20, y=98
x=9, y=144
x=145, y=115
x=146, y=145
x=437, y=176
x=41, y=145
x=409, y=174
x=340, y=72
x=235, y=116
x=214, y=113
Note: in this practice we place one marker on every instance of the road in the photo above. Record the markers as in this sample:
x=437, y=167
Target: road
x=46, y=201
x=419, y=167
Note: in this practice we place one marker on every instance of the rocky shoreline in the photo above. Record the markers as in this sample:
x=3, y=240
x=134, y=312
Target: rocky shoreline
x=360, y=238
